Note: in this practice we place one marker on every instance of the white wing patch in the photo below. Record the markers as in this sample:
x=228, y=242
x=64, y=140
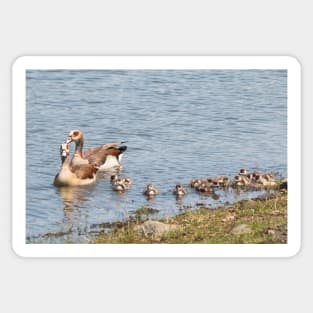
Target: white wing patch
x=111, y=161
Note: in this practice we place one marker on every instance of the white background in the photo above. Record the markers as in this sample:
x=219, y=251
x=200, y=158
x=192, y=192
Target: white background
x=149, y=28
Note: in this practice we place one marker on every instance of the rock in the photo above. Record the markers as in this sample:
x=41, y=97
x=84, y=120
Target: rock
x=154, y=228
x=215, y=196
x=271, y=232
x=241, y=229
x=283, y=185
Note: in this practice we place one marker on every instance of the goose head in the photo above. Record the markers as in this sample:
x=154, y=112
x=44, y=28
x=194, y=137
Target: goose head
x=113, y=178
x=243, y=171
x=197, y=183
x=149, y=187
x=194, y=182
x=257, y=176
x=74, y=135
x=205, y=187
x=118, y=185
x=64, y=151
x=238, y=181
x=225, y=181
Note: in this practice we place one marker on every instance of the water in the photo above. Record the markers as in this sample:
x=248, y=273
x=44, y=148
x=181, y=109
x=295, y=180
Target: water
x=179, y=124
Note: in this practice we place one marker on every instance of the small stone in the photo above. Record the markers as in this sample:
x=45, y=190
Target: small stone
x=241, y=229
x=271, y=232
x=200, y=204
x=215, y=196
x=283, y=185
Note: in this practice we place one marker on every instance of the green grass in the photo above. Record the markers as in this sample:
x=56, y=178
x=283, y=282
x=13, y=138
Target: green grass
x=267, y=219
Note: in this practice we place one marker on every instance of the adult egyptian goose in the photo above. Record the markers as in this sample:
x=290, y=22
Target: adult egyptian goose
x=150, y=190
x=105, y=157
x=74, y=175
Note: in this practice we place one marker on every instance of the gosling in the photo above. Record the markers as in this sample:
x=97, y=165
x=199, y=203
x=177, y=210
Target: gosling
x=180, y=190
x=150, y=191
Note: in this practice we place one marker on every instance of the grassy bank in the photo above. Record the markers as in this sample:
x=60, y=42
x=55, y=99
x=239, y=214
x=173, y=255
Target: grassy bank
x=249, y=221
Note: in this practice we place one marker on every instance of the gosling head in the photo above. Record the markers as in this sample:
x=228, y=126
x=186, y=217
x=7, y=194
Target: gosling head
x=113, y=178
x=180, y=190
x=243, y=171
x=150, y=187
x=151, y=190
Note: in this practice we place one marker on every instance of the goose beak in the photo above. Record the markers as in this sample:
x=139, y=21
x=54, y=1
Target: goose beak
x=69, y=140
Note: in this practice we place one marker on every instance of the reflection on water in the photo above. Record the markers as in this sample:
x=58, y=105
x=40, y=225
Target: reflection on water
x=74, y=197
x=179, y=125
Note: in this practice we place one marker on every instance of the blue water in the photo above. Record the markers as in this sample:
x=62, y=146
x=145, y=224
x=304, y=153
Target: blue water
x=179, y=124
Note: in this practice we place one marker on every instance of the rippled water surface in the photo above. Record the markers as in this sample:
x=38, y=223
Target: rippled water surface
x=179, y=124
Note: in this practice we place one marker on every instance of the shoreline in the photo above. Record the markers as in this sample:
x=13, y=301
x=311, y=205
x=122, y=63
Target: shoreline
x=258, y=220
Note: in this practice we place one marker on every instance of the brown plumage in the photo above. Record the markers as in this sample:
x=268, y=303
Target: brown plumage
x=195, y=182
x=84, y=171
x=74, y=175
x=240, y=181
x=150, y=190
x=205, y=187
x=125, y=181
x=253, y=180
x=119, y=185
x=105, y=156
x=180, y=190
x=264, y=179
x=221, y=181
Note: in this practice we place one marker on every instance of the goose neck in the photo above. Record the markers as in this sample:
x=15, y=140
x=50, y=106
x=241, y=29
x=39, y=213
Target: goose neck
x=79, y=146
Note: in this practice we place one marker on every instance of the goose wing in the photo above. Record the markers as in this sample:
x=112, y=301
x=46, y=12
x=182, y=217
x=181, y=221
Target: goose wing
x=101, y=149
x=84, y=171
x=101, y=155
